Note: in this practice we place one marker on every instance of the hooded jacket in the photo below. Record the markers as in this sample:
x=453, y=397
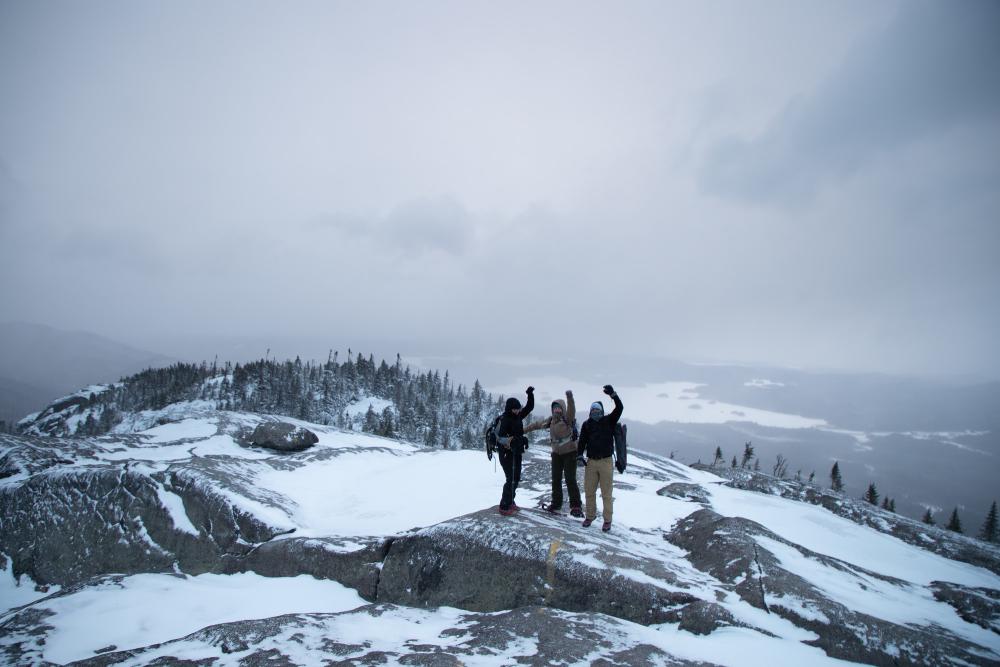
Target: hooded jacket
x=597, y=438
x=511, y=425
x=560, y=428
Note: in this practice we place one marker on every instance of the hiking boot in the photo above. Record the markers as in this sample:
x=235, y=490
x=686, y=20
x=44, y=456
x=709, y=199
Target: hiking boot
x=507, y=512
x=577, y=512
x=552, y=509
x=587, y=522
x=606, y=527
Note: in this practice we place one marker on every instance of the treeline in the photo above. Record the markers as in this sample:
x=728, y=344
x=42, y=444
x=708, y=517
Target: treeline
x=990, y=531
x=423, y=407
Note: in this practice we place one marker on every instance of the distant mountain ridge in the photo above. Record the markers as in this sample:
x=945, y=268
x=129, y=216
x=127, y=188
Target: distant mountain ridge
x=39, y=364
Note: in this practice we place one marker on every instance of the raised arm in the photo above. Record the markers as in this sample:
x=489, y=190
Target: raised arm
x=617, y=412
x=529, y=405
x=570, y=406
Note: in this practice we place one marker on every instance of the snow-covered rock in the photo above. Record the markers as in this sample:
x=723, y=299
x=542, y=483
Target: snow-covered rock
x=694, y=571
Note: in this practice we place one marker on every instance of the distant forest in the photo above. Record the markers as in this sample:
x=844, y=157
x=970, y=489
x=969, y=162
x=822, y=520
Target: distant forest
x=426, y=407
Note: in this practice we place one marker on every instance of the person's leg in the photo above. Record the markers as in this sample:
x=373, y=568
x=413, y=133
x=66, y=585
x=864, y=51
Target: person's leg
x=506, y=462
x=590, y=489
x=516, y=474
x=606, y=486
x=569, y=471
x=556, y=482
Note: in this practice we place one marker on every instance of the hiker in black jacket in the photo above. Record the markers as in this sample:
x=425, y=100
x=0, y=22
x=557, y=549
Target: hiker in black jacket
x=512, y=445
x=597, y=439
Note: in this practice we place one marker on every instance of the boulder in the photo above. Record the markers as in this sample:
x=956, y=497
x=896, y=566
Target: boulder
x=281, y=437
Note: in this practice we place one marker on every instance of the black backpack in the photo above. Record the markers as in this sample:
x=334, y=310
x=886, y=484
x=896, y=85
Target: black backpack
x=621, y=447
x=490, y=434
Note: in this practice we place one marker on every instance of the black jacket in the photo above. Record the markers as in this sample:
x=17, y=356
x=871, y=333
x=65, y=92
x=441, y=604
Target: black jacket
x=597, y=438
x=512, y=425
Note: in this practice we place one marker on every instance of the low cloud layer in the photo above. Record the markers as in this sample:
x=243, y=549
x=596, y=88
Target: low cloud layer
x=810, y=185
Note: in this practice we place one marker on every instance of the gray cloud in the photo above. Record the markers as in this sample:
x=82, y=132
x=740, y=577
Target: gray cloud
x=413, y=228
x=526, y=183
x=932, y=69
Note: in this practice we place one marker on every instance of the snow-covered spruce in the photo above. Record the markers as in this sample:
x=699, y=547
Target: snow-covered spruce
x=192, y=515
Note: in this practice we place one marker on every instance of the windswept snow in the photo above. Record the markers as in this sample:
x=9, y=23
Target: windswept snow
x=188, y=428
x=17, y=591
x=824, y=532
x=381, y=493
x=150, y=608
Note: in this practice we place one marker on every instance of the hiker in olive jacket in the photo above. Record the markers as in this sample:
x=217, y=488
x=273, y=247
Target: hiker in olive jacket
x=563, y=444
x=597, y=439
x=512, y=445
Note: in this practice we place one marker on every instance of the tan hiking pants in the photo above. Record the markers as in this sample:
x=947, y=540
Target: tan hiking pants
x=598, y=473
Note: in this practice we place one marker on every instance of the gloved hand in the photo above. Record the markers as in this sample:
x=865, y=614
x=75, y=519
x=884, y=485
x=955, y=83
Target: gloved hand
x=529, y=390
x=609, y=390
x=582, y=461
x=569, y=392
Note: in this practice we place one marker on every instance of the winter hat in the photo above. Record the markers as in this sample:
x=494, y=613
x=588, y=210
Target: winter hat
x=512, y=404
x=597, y=407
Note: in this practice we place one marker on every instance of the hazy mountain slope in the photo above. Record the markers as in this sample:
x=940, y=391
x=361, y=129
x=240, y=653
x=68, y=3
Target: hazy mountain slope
x=56, y=362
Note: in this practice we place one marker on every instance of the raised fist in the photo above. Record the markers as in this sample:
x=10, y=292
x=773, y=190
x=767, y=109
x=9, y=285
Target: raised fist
x=569, y=392
x=529, y=390
x=609, y=390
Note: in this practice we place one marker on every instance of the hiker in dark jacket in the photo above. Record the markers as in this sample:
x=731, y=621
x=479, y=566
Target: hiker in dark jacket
x=563, y=442
x=597, y=439
x=512, y=445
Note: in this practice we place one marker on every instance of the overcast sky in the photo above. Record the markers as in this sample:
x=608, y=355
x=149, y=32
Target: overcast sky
x=810, y=184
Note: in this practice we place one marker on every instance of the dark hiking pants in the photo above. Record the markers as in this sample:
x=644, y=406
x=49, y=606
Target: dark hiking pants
x=510, y=461
x=564, y=465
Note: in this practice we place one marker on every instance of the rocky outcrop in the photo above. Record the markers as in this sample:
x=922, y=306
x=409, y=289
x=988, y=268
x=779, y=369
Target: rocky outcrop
x=728, y=548
x=932, y=538
x=485, y=562
x=280, y=437
x=67, y=526
x=975, y=605
x=531, y=635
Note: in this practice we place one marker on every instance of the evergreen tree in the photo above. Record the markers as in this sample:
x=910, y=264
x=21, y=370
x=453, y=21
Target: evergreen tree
x=718, y=456
x=812, y=476
x=836, y=481
x=756, y=465
x=928, y=517
x=871, y=495
x=747, y=454
x=892, y=505
x=386, y=427
x=780, y=467
x=954, y=523
x=989, y=531
x=733, y=463
x=885, y=503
